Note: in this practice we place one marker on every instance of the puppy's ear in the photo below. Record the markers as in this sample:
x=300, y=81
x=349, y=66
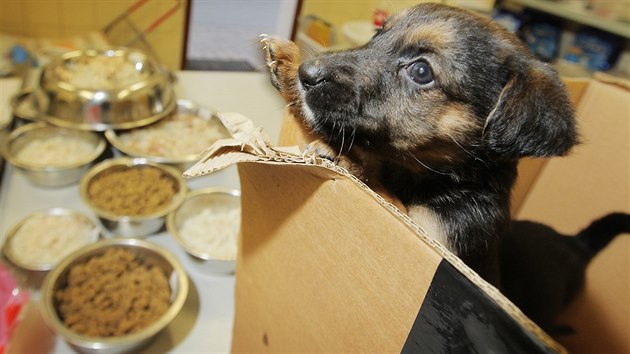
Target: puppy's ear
x=533, y=115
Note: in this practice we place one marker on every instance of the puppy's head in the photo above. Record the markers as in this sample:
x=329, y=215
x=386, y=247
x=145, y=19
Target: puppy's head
x=438, y=84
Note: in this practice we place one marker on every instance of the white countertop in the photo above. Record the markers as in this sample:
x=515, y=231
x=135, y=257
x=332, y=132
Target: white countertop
x=205, y=324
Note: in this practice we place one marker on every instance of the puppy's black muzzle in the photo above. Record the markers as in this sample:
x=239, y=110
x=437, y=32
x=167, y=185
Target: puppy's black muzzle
x=312, y=73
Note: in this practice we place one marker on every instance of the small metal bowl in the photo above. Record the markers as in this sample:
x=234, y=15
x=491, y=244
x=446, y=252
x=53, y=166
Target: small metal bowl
x=25, y=106
x=142, y=101
x=120, y=139
x=146, y=252
x=217, y=200
x=40, y=241
x=6, y=118
x=139, y=225
x=53, y=173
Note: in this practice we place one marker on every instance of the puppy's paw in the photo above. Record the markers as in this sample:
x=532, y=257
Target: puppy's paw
x=322, y=150
x=283, y=61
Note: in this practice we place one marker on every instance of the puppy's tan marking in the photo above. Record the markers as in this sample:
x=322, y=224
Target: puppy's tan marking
x=430, y=223
x=457, y=123
x=437, y=35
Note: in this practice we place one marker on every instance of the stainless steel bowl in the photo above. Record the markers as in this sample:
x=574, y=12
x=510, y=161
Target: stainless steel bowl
x=217, y=200
x=55, y=249
x=147, y=252
x=118, y=138
x=132, y=225
x=25, y=106
x=131, y=104
x=51, y=175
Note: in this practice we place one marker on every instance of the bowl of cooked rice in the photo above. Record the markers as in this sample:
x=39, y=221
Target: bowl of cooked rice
x=114, y=296
x=52, y=156
x=206, y=225
x=132, y=196
x=118, y=88
x=44, y=238
x=178, y=139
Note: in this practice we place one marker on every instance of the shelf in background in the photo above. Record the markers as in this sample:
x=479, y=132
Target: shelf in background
x=576, y=14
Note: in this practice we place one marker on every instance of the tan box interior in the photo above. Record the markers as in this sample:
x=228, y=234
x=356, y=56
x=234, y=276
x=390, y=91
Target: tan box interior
x=568, y=193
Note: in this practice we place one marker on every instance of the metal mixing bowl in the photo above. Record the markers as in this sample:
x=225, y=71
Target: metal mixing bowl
x=132, y=225
x=184, y=161
x=45, y=243
x=51, y=175
x=147, y=252
x=216, y=199
x=131, y=104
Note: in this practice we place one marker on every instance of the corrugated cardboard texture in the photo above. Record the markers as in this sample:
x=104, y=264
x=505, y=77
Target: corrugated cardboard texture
x=572, y=191
x=353, y=284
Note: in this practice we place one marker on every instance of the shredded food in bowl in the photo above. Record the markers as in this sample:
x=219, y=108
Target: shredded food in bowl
x=177, y=136
x=99, y=72
x=58, y=150
x=213, y=232
x=46, y=239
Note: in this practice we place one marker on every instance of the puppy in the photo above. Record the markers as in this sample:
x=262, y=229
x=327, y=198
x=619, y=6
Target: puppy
x=543, y=270
x=436, y=110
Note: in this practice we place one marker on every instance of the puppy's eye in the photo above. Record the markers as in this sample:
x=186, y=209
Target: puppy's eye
x=420, y=72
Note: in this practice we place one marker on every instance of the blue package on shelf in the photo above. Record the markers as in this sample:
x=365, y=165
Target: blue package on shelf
x=595, y=49
x=543, y=39
x=508, y=19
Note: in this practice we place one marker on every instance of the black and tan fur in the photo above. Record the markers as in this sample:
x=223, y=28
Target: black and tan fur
x=436, y=110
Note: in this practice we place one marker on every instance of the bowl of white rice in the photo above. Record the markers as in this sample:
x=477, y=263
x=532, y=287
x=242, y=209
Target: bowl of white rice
x=52, y=156
x=43, y=239
x=177, y=139
x=206, y=225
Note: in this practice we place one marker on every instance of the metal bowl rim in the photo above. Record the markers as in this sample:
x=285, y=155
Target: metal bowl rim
x=160, y=77
x=61, y=122
x=50, y=314
x=50, y=211
x=174, y=231
x=130, y=162
x=99, y=148
x=19, y=97
x=157, y=78
x=113, y=137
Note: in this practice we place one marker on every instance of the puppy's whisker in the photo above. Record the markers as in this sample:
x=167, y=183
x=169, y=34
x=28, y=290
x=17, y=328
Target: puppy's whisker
x=342, y=131
x=354, y=131
x=477, y=158
x=427, y=167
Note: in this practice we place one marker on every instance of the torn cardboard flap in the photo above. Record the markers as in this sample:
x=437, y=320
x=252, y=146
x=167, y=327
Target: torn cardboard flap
x=321, y=266
x=248, y=144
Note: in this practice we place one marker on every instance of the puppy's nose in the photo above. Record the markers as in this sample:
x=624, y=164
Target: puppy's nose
x=311, y=74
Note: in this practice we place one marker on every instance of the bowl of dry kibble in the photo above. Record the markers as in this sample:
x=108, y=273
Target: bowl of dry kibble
x=206, y=225
x=52, y=156
x=114, y=296
x=132, y=196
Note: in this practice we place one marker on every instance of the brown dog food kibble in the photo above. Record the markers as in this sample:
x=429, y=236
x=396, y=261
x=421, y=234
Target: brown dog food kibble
x=113, y=294
x=132, y=191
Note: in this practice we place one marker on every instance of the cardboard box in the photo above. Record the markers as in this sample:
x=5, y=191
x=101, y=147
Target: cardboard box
x=568, y=193
x=327, y=265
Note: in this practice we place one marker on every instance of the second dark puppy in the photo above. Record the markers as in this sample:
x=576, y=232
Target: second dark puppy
x=436, y=109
